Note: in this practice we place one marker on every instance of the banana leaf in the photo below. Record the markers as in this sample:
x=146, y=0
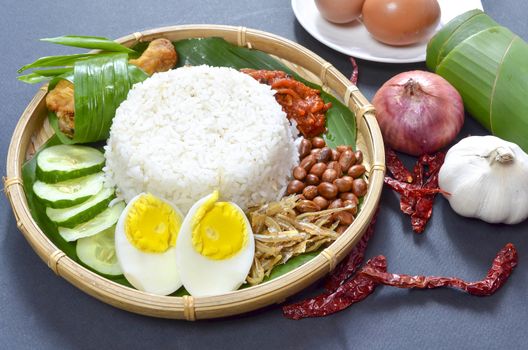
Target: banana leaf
x=488, y=65
x=101, y=84
x=455, y=31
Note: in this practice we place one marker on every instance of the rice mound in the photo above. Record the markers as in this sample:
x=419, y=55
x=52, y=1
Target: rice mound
x=183, y=133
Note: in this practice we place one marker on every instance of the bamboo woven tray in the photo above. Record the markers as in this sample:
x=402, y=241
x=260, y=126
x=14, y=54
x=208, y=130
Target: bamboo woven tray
x=33, y=130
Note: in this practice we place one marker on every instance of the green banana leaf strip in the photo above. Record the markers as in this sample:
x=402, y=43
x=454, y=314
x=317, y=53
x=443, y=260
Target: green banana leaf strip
x=486, y=63
x=470, y=27
x=89, y=42
x=33, y=78
x=438, y=41
x=472, y=67
x=341, y=122
x=88, y=78
x=38, y=212
x=38, y=76
x=55, y=61
x=102, y=82
x=509, y=108
x=54, y=123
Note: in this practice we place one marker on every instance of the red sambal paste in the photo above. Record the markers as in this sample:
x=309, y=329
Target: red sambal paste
x=300, y=102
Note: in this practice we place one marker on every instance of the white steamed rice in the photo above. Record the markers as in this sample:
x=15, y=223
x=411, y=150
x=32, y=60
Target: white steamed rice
x=183, y=133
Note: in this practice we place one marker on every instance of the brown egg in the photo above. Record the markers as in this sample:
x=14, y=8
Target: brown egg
x=340, y=11
x=401, y=22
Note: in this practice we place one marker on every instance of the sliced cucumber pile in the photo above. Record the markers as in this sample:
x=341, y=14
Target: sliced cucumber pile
x=64, y=162
x=70, y=192
x=72, y=216
x=99, y=223
x=98, y=252
x=70, y=184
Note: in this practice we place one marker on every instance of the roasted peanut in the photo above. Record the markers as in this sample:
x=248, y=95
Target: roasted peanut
x=315, y=152
x=359, y=157
x=325, y=155
x=307, y=162
x=341, y=229
x=327, y=190
x=335, y=155
x=356, y=170
x=310, y=192
x=335, y=165
x=318, y=142
x=349, y=196
x=336, y=203
x=344, y=217
x=295, y=186
x=322, y=202
x=359, y=187
x=346, y=159
x=353, y=206
x=312, y=179
x=329, y=175
x=318, y=169
x=304, y=148
x=299, y=173
x=305, y=206
x=344, y=184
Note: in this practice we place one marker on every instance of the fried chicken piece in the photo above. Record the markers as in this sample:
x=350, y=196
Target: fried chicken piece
x=300, y=102
x=160, y=56
x=60, y=100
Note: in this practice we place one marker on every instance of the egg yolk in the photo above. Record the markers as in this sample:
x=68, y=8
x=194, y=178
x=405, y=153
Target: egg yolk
x=219, y=229
x=152, y=225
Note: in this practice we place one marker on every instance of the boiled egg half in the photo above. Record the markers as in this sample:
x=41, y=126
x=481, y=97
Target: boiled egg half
x=215, y=247
x=145, y=244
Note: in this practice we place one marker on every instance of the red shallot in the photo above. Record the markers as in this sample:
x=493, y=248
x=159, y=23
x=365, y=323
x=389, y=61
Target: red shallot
x=418, y=112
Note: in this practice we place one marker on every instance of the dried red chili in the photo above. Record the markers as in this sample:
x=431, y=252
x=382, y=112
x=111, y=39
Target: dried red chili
x=298, y=101
x=426, y=175
x=355, y=258
x=410, y=190
x=354, y=290
x=500, y=271
x=396, y=167
x=355, y=71
x=375, y=273
x=413, y=200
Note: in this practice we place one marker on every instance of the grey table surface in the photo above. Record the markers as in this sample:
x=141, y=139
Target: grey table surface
x=39, y=310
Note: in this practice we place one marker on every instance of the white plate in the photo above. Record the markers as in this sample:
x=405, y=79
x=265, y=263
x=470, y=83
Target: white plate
x=354, y=40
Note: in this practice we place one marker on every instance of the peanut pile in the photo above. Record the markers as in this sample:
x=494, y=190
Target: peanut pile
x=328, y=179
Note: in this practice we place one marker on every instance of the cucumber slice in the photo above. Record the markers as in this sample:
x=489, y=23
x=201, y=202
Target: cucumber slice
x=98, y=252
x=64, y=162
x=72, y=216
x=68, y=193
x=101, y=222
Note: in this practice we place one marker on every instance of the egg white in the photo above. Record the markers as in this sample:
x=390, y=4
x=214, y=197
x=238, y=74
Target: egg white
x=202, y=276
x=154, y=273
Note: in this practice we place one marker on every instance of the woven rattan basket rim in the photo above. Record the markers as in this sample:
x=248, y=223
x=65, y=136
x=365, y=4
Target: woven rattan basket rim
x=231, y=303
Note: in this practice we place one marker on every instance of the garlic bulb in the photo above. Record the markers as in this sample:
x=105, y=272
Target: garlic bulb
x=486, y=178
